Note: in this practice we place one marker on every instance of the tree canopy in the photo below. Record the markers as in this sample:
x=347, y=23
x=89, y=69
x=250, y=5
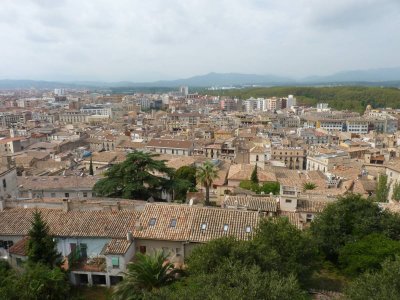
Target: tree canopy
x=367, y=253
x=377, y=285
x=41, y=246
x=351, y=218
x=140, y=176
x=234, y=281
x=254, y=175
x=356, y=97
x=91, y=172
x=382, y=189
x=265, y=188
x=396, y=192
x=267, y=267
x=187, y=176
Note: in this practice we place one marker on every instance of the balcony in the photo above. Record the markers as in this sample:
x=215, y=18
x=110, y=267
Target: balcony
x=78, y=261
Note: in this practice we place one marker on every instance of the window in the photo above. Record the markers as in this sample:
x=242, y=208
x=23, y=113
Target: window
x=248, y=228
x=53, y=195
x=66, y=195
x=288, y=201
x=178, y=251
x=172, y=223
x=4, y=183
x=83, y=248
x=226, y=227
x=85, y=194
x=203, y=226
x=115, y=262
x=165, y=251
x=18, y=261
x=152, y=222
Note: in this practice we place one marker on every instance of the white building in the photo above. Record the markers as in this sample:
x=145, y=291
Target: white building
x=99, y=110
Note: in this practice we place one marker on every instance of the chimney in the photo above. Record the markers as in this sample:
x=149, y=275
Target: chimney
x=2, y=204
x=129, y=237
x=66, y=205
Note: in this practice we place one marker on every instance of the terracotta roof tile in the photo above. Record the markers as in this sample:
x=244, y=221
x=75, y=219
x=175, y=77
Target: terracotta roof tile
x=113, y=224
x=116, y=246
x=156, y=221
x=19, y=248
x=252, y=203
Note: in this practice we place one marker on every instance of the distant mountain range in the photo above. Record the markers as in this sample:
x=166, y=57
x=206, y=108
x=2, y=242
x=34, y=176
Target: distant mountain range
x=384, y=76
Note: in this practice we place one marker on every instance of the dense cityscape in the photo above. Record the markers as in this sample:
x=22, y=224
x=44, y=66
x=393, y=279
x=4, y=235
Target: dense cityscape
x=200, y=150
x=67, y=155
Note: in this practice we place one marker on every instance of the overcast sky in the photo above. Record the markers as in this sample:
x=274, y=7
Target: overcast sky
x=144, y=40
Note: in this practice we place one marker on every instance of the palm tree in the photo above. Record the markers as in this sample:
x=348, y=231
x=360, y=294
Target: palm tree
x=309, y=186
x=206, y=174
x=148, y=272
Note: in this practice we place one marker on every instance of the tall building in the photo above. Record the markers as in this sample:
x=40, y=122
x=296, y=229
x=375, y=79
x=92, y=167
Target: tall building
x=291, y=101
x=184, y=90
x=59, y=92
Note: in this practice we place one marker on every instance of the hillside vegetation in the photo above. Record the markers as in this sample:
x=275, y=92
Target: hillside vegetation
x=350, y=97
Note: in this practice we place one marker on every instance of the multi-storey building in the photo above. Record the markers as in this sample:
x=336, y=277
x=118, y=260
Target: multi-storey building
x=357, y=125
x=10, y=119
x=293, y=157
x=100, y=110
x=73, y=117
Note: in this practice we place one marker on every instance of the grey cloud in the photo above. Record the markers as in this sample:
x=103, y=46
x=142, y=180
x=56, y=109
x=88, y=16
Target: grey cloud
x=133, y=39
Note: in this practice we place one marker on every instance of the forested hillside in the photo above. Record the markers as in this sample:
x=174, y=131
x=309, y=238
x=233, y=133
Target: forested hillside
x=349, y=97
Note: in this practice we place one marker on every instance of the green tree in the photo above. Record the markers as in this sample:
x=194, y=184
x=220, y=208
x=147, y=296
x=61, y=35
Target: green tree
x=266, y=188
x=36, y=282
x=382, y=189
x=41, y=246
x=209, y=257
x=188, y=173
x=140, y=176
x=348, y=219
x=233, y=281
x=250, y=186
x=277, y=245
x=309, y=186
x=396, y=192
x=367, y=253
x=378, y=285
x=8, y=280
x=91, y=172
x=147, y=273
x=206, y=174
x=280, y=246
x=39, y=282
x=187, y=177
x=270, y=187
x=254, y=175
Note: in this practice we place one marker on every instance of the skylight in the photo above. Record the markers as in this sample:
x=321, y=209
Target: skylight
x=172, y=223
x=226, y=227
x=152, y=222
x=248, y=228
x=203, y=226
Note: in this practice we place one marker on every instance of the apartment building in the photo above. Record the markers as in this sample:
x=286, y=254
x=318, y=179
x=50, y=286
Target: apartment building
x=293, y=157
